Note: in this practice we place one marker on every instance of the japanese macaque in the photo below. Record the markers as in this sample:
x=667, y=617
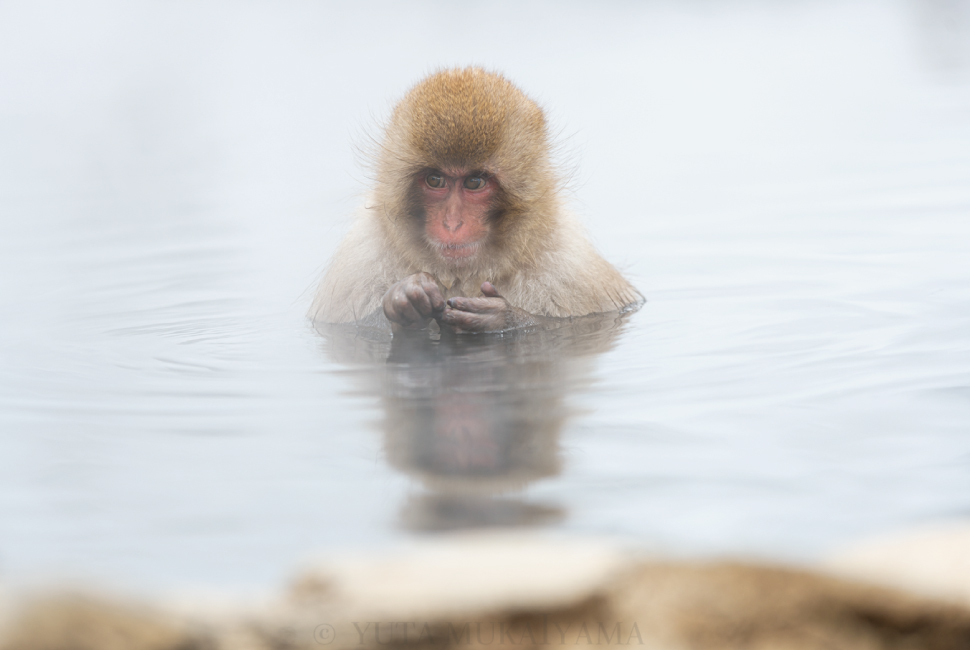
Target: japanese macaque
x=466, y=225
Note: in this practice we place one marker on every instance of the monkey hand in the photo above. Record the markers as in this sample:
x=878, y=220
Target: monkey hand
x=414, y=301
x=493, y=313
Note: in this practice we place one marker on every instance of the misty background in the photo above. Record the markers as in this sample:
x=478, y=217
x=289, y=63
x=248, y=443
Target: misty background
x=788, y=184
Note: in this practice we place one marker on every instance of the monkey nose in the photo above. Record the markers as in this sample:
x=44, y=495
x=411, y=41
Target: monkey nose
x=453, y=226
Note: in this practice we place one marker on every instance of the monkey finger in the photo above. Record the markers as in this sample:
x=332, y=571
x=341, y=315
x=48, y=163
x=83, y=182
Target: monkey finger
x=406, y=314
x=469, y=322
x=477, y=305
x=391, y=309
x=419, y=300
x=489, y=290
x=434, y=296
x=463, y=321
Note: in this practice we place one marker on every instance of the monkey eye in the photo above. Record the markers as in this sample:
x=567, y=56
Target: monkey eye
x=435, y=180
x=474, y=183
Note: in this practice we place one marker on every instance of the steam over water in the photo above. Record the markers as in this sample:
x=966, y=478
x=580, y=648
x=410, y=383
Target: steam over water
x=787, y=183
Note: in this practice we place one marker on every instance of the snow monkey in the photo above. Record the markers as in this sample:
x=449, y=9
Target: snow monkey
x=466, y=225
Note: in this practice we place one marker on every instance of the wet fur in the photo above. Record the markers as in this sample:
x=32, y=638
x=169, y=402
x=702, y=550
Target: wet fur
x=537, y=255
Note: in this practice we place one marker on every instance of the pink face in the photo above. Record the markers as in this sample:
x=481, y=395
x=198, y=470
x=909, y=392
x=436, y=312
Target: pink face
x=457, y=204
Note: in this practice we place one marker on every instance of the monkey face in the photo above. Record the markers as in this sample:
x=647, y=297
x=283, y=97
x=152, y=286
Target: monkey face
x=456, y=204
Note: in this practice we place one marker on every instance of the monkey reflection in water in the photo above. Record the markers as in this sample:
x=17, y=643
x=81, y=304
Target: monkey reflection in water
x=475, y=419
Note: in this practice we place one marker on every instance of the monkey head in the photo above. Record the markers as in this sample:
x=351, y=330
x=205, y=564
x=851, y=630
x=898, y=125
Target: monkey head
x=464, y=172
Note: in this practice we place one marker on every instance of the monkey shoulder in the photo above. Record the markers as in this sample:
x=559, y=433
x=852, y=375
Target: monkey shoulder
x=573, y=279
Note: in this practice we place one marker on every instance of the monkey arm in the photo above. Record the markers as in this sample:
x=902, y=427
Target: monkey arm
x=357, y=277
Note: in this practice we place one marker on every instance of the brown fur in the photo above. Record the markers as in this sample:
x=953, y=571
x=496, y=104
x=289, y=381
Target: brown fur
x=537, y=255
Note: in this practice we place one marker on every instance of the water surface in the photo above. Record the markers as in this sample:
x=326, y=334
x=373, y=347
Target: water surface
x=788, y=185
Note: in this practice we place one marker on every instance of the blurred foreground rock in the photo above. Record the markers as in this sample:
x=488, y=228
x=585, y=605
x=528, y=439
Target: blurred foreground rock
x=933, y=562
x=78, y=622
x=510, y=590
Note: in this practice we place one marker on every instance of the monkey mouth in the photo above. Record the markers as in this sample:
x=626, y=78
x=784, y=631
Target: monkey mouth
x=457, y=252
